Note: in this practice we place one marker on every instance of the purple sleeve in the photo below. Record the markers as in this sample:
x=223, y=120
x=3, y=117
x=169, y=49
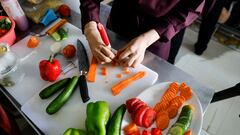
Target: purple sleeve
x=177, y=18
x=89, y=11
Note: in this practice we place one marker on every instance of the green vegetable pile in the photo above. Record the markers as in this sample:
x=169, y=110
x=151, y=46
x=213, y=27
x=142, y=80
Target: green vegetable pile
x=5, y=26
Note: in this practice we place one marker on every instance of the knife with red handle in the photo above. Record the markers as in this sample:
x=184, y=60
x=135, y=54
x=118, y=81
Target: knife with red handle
x=103, y=34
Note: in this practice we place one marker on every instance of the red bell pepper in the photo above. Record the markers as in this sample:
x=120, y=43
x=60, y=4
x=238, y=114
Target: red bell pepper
x=50, y=69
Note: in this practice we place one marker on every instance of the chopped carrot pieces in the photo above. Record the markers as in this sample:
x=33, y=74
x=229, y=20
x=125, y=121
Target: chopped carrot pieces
x=119, y=75
x=187, y=93
x=104, y=71
x=127, y=70
x=92, y=70
x=177, y=101
x=172, y=111
x=131, y=129
x=162, y=120
x=168, y=96
x=189, y=132
x=117, y=88
x=182, y=86
x=161, y=106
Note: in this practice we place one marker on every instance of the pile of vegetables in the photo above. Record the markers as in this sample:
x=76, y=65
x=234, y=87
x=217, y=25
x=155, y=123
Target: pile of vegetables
x=166, y=109
x=99, y=121
x=5, y=26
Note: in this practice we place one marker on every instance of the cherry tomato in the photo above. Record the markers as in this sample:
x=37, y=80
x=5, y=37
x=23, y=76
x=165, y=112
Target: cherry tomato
x=69, y=51
x=139, y=115
x=156, y=131
x=64, y=10
x=148, y=118
x=145, y=132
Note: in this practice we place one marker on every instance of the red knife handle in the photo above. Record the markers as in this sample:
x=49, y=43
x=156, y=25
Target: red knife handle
x=103, y=34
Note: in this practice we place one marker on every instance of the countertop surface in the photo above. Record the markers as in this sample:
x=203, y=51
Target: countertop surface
x=166, y=72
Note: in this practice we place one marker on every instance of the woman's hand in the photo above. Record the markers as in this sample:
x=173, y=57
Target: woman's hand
x=99, y=50
x=133, y=53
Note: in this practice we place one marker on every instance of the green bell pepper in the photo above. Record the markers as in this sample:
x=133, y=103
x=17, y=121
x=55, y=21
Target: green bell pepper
x=98, y=115
x=74, y=131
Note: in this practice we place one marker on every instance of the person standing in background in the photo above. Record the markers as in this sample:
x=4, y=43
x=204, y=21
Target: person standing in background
x=209, y=20
x=148, y=24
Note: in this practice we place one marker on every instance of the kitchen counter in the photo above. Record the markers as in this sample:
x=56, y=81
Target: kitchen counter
x=166, y=71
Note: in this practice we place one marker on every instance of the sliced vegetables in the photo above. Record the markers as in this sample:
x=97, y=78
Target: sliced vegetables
x=141, y=113
x=117, y=88
x=183, y=122
x=92, y=70
x=59, y=35
x=131, y=129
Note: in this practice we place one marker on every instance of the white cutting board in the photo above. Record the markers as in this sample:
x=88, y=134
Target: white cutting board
x=73, y=113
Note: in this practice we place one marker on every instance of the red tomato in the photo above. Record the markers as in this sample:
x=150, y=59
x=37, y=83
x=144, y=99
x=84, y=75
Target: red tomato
x=149, y=118
x=137, y=107
x=64, y=10
x=69, y=51
x=138, y=119
x=145, y=132
x=129, y=104
x=156, y=131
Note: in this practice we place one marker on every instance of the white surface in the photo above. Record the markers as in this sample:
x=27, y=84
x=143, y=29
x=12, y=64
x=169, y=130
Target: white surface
x=152, y=95
x=72, y=114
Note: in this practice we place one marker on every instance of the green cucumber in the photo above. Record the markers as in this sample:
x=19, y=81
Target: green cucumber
x=63, y=34
x=183, y=122
x=176, y=130
x=116, y=121
x=52, y=89
x=56, y=36
x=74, y=131
x=63, y=97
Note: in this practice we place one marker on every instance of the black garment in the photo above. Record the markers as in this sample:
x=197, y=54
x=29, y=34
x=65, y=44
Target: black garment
x=227, y=93
x=207, y=27
x=175, y=46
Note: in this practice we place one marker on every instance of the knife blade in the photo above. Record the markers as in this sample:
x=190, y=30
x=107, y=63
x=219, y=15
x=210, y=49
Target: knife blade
x=83, y=69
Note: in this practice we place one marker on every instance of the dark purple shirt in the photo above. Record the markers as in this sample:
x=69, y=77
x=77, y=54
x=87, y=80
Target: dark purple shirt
x=173, y=15
x=130, y=18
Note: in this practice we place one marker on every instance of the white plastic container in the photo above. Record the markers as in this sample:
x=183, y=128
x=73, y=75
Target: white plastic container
x=14, y=10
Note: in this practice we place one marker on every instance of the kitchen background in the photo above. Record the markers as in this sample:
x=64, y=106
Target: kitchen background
x=218, y=67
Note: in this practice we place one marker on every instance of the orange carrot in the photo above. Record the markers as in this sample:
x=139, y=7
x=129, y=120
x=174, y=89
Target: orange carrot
x=104, y=71
x=172, y=111
x=168, y=96
x=189, y=132
x=127, y=71
x=186, y=93
x=177, y=101
x=182, y=86
x=131, y=129
x=119, y=75
x=162, y=120
x=174, y=85
x=56, y=26
x=161, y=106
x=92, y=70
x=117, y=88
